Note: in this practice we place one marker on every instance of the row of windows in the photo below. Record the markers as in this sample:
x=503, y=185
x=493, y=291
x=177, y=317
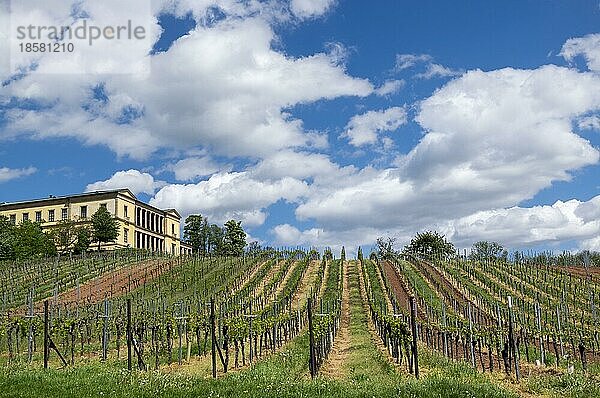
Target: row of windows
x=39, y=217
x=83, y=214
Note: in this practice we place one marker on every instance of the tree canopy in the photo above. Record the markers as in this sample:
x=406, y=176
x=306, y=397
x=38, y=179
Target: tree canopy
x=234, y=239
x=206, y=238
x=484, y=250
x=195, y=232
x=105, y=227
x=69, y=235
x=430, y=244
x=23, y=241
x=385, y=247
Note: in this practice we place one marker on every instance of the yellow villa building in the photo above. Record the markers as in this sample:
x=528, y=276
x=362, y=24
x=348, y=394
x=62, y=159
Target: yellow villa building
x=141, y=226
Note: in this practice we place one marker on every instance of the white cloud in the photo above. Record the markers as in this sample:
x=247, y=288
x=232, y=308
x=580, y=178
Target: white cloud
x=592, y=244
x=191, y=168
x=493, y=139
x=302, y=166
x=136, y=181
x=288, y=235
x=389, y=87
x=517, y=226
x=587, y=46
x=310, y=8
x=222, y=87
x=405, y=61
x=363, y=129
x=234, y=195
x=7, y=174
x=432, y=69
x=436, y=70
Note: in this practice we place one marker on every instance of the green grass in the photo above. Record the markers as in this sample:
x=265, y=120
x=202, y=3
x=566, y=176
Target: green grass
x=365, y=362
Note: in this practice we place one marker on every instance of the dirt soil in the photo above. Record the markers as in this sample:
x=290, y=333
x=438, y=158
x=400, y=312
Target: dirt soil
x=400, y=289
x=113, y=284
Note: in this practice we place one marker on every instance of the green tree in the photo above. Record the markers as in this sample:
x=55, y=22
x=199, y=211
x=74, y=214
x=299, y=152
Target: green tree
x=234, y=240
x=484, y=250
x=195, y=232
x=215, y=240
x=7, y=239
x=430, y=244
x=360, y=254
x=328, y=254
x=343, y=254
x=69, y=235
x=104, y=226
x=84, y=240
x=385, y=247
x=31, y=241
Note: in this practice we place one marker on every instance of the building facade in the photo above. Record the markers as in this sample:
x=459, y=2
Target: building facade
x=141, y=226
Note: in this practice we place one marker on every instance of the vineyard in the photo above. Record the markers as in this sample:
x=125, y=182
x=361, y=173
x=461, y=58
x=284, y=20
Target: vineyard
x=289, y=323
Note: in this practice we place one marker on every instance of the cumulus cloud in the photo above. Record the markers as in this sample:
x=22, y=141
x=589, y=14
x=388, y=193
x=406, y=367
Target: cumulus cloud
x=363, y=129
x=587, y=46
x=189, y=169
x=136, y=181
x=310, y=8
x=234, y=195
x=227, y=87
x=288, y=235
x=7, y=174
x=492, y=139
x=518, y=226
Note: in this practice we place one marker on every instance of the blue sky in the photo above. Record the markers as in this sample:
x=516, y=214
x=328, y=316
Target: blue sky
x=320, y=122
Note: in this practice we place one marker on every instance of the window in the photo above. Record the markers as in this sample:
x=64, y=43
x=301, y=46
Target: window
x=13, y=218
x=172, y=229
x=83, y=212
x=38, y=216
x=125, y=211
x=51, y=215
x=25, y=216
x=125, y=235
x=65, y=214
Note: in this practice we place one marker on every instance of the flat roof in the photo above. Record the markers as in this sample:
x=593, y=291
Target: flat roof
x=62, y=197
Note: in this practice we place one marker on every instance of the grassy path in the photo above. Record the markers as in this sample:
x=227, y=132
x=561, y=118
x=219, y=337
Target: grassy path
x=355, y=355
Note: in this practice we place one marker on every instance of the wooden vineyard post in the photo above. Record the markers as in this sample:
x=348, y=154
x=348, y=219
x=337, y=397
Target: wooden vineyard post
x=30, y=336
x=46, y=345
x=471, y=342
x=213, y=343
x=511, y=337
x=105, y=331
x=312, y=361
x=445, y=327
x=562, y=351
x=413, y=323
x=538, y=313
x=129, y=337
